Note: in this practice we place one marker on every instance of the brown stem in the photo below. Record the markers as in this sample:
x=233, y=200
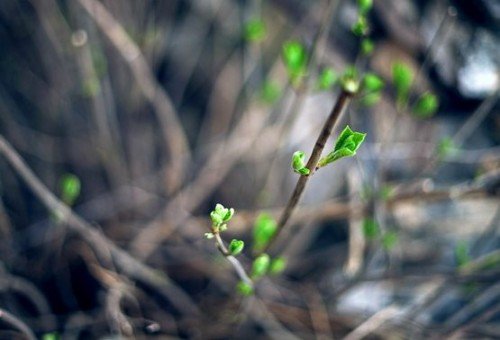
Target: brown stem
x=238, y=267
x=342, y=102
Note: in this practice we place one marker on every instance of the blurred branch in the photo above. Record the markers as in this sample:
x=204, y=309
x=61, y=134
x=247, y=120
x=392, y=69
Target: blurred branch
x=175, y=137
x=101, y=245
x=17, y=323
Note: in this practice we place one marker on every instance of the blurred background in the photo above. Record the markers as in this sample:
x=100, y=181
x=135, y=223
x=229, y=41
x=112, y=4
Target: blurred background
x=142, y=115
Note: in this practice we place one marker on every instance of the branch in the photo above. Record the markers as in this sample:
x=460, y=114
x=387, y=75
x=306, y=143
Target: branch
x=238, y=267
x=17, y=323
x=103, y=247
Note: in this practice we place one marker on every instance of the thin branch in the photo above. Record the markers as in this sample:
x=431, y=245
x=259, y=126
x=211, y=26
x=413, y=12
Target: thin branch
x=238, y=267
x=127, y=264
x=340, y=106
x=175, y=137
x=17, y=323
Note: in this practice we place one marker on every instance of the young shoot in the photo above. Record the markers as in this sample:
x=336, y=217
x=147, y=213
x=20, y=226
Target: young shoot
x=346, y=145
x=298, y=163
x=263, y=231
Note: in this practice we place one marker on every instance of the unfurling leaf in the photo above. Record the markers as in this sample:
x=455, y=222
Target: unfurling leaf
x=347, y=144
x=298, y=163
x=236, y=247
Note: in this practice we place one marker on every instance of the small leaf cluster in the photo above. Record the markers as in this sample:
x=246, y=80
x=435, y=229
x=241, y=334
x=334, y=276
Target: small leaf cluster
x=402, y=78
x=295, y=58
x=346, y=145
x=219, y=216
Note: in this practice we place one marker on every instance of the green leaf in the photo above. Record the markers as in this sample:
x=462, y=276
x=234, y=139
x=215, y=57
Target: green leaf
x=327, y=78
x=70, y=188
x=264, y=229
x=298, y=163
x=389, y=240
x=402, y=77
x=295, y=59
x=372, y=83
x=221, y=215
x=244, y=288
x=278, y=265
x=360, y=27
x=236, y=247
x=348, y=142
x=365, y=6
x=367, y=46
x=270, y=92
x=426, y=105
x=371, y=99
x=255, y=30
x=260, y=265
x=462, y=256
x=370, y=228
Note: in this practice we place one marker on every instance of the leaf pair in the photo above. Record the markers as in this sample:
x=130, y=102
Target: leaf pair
x=347, y=144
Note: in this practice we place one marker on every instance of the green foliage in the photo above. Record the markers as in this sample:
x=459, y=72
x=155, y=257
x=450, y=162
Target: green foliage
x=349, y=80
x=365, y=6
x=270, y=92
x=236, y=247
x=386, y=192
x=260, y=266
x=298, y=163
x=370, y=228
x=426, y=105
x=51, y=336
x=264, y=229
x=244, y=288
x=360, y=27
x=327, y=78
x=278, y=265
x=295, y=58
x=255, y=30
x=367, y=46
x=389, y=240
x=402, y=78
x=347, y=144
x=219, y=216
x=372, y=83
x=70, y=188
x=371, y=99
x=446, y=148
x=462, y=254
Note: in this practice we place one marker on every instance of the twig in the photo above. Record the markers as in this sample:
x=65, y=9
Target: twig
x=17, y=323
x=337, y=111
x=374, y=322
x=238, y=267
x=129, y=265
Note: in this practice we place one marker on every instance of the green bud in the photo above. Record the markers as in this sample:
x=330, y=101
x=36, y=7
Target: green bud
x=255, y=30
x=349, y=80
x=70, y=188
x=402, y=77
x=389, y=240
x=278, y=265
x=370, y=228
x=298, y=163
x=446, y=148
x=327, y=78
x=372, y=83
x=260, y=265
x=244, y=288
x=346, y=145
x=270, y=92
x=360, y=28
x=367, y=46
x=209, y=236
x=426, y=105
x=220, y=215
x=236, y=247
x=365, y=6
x=264, y=229
x=295, y=59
